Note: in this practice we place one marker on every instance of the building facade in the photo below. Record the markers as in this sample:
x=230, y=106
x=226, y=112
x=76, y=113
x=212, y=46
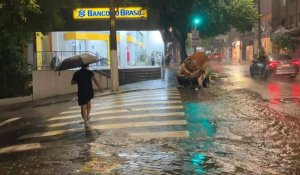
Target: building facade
x=139, y=39
x=276, y=17
x=135, y=48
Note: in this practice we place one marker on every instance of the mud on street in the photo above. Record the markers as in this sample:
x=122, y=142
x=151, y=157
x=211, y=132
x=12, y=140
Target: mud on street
x=231, y=131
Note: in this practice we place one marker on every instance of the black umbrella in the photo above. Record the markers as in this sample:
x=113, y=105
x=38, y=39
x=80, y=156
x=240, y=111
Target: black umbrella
x=77, y=61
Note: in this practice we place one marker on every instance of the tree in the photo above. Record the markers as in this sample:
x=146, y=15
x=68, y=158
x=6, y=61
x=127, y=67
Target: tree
x=285, y=43
x=20, y=19
x=217, y=16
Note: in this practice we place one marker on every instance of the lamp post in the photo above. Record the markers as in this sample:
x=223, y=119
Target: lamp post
x=114, y=72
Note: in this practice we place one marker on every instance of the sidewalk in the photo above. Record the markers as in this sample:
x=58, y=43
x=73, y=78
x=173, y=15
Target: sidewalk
x=23, y=102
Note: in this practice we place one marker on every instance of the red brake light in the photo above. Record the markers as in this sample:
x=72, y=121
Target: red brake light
x=296, y=62
x=273, y=64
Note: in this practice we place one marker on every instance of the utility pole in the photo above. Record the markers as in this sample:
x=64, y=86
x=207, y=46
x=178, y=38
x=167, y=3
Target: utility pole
x=114, y=70
x=259, y=29
x=296, y=15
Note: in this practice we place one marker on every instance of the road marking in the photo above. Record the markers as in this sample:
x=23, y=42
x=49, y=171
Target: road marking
x=18, y=148
x=141, y=92
x=112, y=102
x=9, y=121
x=175, y=107
x=144, y=92
x=141, y=96
x=106, y=126
x=135, y=116
x=148, y=104
x=122, y=105
x=170, y=134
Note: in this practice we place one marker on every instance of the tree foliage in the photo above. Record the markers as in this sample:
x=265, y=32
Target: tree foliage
x=221, y=15
x=19, y=20
x=285, y=42
x=217, y=16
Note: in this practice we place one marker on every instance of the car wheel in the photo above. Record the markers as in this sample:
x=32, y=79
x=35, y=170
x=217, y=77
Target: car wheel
x=251, y=72
x=264, y=75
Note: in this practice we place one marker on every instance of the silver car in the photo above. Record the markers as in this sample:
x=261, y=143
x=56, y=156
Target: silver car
x=278, y=64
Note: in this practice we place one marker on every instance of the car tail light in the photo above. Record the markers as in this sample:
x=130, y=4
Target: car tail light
x=296, y=63
x=221, y=55
x=273, y=64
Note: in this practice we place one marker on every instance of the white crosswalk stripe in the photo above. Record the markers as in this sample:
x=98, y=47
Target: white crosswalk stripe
x=122, y=105
x=135, y=95
x=170, y=114
x=9, y=121
x=152, y=113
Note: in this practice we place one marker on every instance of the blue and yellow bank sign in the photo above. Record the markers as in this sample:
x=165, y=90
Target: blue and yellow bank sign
x=104, y=13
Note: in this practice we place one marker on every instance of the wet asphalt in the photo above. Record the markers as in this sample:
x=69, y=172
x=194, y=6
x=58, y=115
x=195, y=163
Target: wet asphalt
x=240, y=125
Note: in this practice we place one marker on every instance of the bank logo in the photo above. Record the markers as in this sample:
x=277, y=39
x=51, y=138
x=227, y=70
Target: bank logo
x=81, y=13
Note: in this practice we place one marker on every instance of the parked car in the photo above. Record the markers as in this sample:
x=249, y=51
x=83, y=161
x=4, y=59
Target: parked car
x=217, y=56
x=278, y=64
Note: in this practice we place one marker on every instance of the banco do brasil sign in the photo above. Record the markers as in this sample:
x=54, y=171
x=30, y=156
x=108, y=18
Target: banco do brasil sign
x=104, y=13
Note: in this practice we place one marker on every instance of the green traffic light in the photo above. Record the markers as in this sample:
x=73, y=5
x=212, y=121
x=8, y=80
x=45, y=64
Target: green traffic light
x=197, y=20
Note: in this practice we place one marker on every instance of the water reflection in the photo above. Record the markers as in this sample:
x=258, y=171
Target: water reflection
x=216, y=66
x=200, y=126
x=199, y=119
x=198, y=161
x=277, y=92
x=296, y=91
x=274, y=93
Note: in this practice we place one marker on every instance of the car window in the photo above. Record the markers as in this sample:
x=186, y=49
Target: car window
x=280, y=57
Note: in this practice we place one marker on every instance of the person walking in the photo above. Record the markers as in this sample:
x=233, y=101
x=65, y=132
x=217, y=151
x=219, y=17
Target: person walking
x=83, y=78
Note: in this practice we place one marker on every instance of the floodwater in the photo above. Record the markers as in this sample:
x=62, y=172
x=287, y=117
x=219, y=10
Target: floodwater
x=239, y=125
x=234, y=130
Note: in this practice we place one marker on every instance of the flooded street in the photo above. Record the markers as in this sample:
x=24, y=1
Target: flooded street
x=239, y=125
x=238, y=133
x=235, y=130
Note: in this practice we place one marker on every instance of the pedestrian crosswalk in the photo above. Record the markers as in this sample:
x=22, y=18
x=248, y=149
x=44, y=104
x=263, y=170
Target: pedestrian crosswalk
x=147, y=114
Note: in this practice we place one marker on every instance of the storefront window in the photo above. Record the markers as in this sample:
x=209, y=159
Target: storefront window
x=135, y=48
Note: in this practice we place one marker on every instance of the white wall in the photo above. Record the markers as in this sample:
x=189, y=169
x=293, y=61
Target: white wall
x=123, y=49
x=50, y=83
x=155, y=42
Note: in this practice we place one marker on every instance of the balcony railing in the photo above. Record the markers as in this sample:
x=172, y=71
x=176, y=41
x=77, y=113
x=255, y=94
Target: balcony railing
x=50, y=60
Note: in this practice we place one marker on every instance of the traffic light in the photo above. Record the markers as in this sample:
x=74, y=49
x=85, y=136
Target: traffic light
x=197, y=21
